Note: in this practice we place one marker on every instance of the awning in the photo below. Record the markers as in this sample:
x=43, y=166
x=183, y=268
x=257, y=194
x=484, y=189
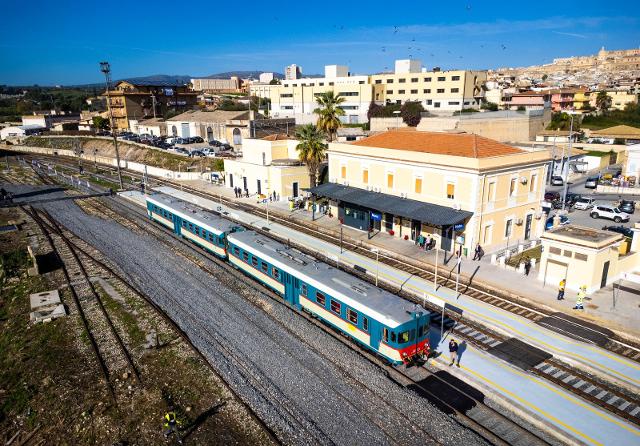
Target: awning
x=433, y=214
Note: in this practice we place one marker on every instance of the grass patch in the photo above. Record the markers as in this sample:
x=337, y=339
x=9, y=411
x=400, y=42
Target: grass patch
x=14, y=262
x=533, y=253
x=135, y=334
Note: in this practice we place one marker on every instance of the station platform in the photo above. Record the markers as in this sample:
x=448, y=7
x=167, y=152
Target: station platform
x=540, y=402
x=574, y=421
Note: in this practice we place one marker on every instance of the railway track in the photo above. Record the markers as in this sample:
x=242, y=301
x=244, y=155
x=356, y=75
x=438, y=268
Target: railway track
x=608, y=397
x=489, y=423
x=107, y=344
x=623, y=347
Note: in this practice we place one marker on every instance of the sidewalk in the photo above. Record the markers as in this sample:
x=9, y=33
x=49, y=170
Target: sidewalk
x=599, y=309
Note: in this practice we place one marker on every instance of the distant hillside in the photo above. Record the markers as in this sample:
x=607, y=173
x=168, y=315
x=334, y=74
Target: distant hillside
x=169, y=78
x=242, y=75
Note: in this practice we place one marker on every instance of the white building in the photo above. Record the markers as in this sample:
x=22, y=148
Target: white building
x=405, y=66
x=20, y=131
x=266, y=77
x=292, y=72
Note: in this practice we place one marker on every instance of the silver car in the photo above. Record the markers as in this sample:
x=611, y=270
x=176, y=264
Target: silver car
x=584, y=203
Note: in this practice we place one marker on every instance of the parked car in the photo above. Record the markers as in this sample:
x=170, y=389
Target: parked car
x=557, y=180
x=591, y=183
x=226, y=146
x=564, y=220
x=215, y=143
x=584, y=203
x=610, y=213
x=182, y=150
x=572, y=198
x=627, y=206
x=197, y=139
x=196, y=153
x=551, y=196
x=627, y=232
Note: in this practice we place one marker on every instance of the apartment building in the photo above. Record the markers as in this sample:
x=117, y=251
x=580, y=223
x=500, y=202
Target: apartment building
x=141, y=100
x=292, y=72
x=460, y=189
x=438, y=91
x=619, y=99
x=529, y=100
x=297, y=98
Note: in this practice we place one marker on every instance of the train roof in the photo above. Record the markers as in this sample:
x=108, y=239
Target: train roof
x=195, y=214
x=369, y=300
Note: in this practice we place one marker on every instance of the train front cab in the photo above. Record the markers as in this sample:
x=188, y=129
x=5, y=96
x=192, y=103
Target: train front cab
x=407, y=342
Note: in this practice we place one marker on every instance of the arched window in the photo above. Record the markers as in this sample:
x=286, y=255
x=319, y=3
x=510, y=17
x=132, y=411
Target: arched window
x=174, y=130
x=209, y=133
x=237, y=137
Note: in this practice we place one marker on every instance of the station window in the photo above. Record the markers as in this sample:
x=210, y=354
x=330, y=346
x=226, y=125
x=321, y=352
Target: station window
x=418, y=188
x=451, y=191
x=352, y=316
x=236, y=250
x=365, y=324
x=320, y=298
x=390, y=180
x=254, y=261
x=303, y=290
x=365, y=176
x=265, y=267
x=245, y=256
x=343, y=172
x=275, y=273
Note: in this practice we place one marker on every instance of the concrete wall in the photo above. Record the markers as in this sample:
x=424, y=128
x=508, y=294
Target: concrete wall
x=384, y=124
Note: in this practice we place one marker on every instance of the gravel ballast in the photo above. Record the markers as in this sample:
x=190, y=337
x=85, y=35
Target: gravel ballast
x=307, y=386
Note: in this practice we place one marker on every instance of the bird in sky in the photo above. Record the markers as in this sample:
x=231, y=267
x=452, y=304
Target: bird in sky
x=395, y=30
x=503, y=47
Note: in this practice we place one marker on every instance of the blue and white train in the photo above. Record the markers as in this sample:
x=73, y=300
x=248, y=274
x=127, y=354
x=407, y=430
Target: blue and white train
x=376, y=319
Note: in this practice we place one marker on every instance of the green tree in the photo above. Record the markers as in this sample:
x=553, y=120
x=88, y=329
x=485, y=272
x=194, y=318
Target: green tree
x=218, y=165
x=603, y=101
x=274, y=82
x=311, y=149
x=545, y=77
x=411, y=113
x=329, y=113
x=491, y=106
x=100, y=123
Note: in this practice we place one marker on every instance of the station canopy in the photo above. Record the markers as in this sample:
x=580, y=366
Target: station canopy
x=429, y=213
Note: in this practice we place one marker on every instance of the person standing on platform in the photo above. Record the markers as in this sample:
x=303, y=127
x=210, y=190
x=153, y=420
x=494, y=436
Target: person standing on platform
x=580, y=300
x=563, y=283
x=453, y=352
x=527, y=266
x=477, y=254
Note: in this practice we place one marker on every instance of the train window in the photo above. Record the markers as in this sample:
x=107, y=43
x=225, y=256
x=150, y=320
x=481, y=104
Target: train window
x=236, y=250
x=365, y=324
x=335, y=306
x=420, y=331
x=385, y=334
x=412, y=334
x=254, y=261
x=352, y=316
x=403, y=337
x=265, y=267
x=320, y=298
x=245, y=256
x=303, y=290
x=184, y=224
x=276, y=273
x=393, y=336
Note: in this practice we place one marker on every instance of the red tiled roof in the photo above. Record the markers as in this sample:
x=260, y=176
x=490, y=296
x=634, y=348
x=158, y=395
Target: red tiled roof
x=466, y=144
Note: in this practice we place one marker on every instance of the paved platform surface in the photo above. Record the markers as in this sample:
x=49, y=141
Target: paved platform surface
x=547, y=404
x=587, y=356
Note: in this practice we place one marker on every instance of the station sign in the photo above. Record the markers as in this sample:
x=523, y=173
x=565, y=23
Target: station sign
x=376, y=216
x=458, y=227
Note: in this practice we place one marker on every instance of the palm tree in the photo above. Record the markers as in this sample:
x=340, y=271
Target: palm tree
x=329, y=113
x=603, y=101
x=311, y=149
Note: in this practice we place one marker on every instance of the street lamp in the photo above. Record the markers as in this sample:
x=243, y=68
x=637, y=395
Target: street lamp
x=377, y=251
x=397, y=113
x=566, y=178
x=106, y=69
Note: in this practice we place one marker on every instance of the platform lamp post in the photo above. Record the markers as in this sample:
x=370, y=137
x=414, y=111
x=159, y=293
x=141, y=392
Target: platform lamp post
x=566, y=178
x=106, y=69
x=377, y=251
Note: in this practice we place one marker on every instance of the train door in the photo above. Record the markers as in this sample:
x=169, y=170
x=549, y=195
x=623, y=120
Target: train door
x=375, y=330
x=291, y=288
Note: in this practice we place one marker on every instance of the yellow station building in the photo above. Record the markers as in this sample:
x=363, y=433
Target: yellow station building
x=460, y=189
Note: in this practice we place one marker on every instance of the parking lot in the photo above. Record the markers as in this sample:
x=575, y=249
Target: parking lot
x=582, y=217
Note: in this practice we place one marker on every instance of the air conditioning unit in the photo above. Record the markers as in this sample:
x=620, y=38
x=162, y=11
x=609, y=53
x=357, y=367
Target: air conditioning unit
x=538, y=215
x=524, y=180
x=519, y=221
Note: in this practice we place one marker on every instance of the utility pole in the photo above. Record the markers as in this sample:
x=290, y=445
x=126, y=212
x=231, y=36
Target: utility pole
x=566, y=178
x=106, y=69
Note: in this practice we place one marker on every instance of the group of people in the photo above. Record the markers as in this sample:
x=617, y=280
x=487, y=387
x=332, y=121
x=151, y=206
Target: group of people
x=239, y=193
x=427, y=243
x=582, y=293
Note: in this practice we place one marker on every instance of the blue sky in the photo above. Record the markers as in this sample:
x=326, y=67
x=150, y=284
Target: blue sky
x=62, y=42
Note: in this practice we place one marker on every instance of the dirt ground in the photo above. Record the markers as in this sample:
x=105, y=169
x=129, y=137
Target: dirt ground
x=51, y=390
x=130, y=152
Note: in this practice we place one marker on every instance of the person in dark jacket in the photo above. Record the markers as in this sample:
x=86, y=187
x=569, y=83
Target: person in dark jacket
x=453, y=352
